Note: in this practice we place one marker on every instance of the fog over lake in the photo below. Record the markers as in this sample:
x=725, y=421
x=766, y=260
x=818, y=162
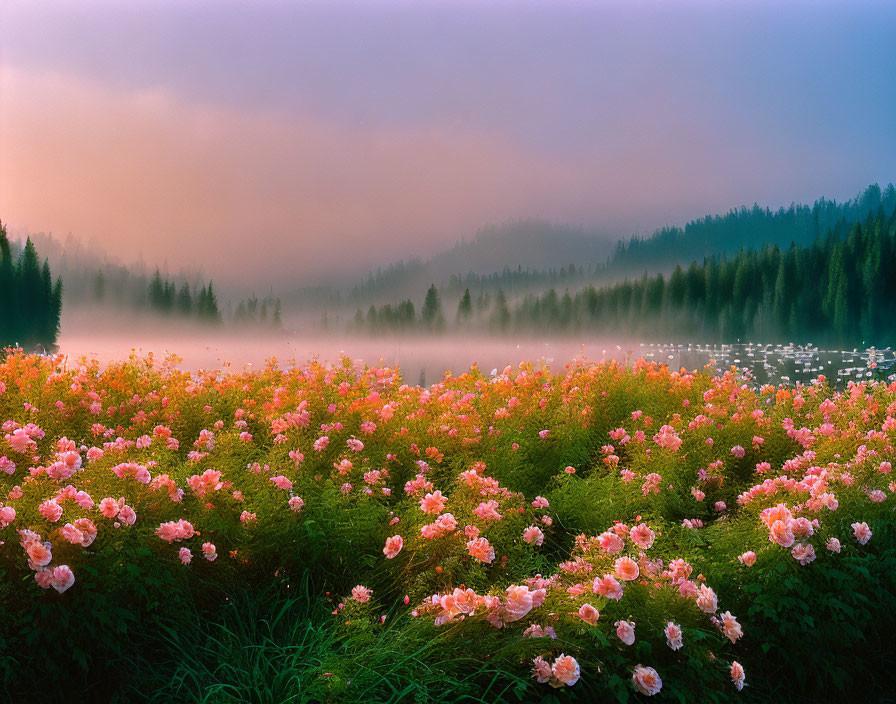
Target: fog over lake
x=429, y=356
x=423, y=359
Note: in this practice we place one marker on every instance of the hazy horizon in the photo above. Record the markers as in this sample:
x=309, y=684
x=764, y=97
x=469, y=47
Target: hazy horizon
x=295, y=142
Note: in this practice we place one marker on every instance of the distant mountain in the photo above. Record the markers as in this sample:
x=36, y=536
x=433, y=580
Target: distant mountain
x=523, y=256
x=520, y=253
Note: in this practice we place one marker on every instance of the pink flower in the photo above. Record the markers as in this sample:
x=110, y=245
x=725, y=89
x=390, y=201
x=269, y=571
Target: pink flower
x=185, y=555
x=109, y=507
x=781, y=533
x=481, y=550
x=541, y=670
x=625, y=631
x=175, y=530
x=50, y=510
x=209, y=481
x=627, y=569
x=647, y=680
x=20, y=441
x=566, y=669
x=862, y=532
x=361, y=594
x=132, y=469
x=730, y=627
x=296, y=503
x=737, y=675
x=488, y=511
x=281, y=482
x=748, y=558
x=588, y=614
x=520, y=601
x=610, y=542
x=446, y=523
x=776, y=513
x=72, y=534
x=651, y=484
x=673, y=635
x=393, y=546
x=82, y=498
x=209, y=551
x=7, y=516
x=707, y=601
x=540, y=502
x=127, y=515
x=801, y=528
x=833, y=545
x=607, y=586
x=533, y=535
x=803, y=553
x=642, y=536
x=61, y=578
x=40, y=554
x=433, y=503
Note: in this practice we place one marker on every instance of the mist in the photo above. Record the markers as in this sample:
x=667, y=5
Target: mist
x=331, y=139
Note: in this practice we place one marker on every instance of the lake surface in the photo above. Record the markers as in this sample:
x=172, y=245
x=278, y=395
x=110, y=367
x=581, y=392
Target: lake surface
x=424, y=360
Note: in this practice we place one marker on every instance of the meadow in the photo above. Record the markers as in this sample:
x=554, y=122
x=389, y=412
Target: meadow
x=330, y=532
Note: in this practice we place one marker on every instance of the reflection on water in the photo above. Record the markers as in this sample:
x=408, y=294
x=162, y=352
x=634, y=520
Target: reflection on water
x=776, y=363
x=425, y=360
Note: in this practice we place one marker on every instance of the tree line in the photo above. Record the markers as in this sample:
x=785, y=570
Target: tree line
x=30, y=301
x=660, y=251
x=746, y=227
x=164, y=298
x=838, y=290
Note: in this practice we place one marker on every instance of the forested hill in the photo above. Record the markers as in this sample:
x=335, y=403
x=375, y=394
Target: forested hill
x=533, y=255
x=746, y=227
x=838, y=290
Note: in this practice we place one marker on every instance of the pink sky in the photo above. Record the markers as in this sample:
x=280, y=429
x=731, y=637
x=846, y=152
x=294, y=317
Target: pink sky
x=290, y=142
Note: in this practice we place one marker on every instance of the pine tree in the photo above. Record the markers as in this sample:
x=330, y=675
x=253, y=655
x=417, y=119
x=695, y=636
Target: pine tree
x=156, y=292
x=185, y=300
x=212, y=315
x=431, y=314
x=99, y=287
x=8, y=299
x=33, y=297
x=500, y=318
x=465, y=308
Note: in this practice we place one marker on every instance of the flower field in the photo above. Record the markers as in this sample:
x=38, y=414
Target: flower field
x=328, y=532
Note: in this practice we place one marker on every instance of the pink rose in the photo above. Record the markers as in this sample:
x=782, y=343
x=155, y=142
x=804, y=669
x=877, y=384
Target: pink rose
x=566, y=669
x=625, y=631
x=627, y=569
x=588, y=614
x=393, y=546
x=646, y=680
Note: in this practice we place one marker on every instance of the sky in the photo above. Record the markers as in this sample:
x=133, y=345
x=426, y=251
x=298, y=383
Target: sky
x=305, y=142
